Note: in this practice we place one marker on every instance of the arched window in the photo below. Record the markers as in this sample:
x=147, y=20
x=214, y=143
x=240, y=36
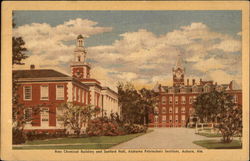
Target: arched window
x=163, y=99
x=164, y=110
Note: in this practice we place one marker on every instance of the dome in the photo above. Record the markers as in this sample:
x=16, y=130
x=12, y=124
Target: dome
x=79, y=37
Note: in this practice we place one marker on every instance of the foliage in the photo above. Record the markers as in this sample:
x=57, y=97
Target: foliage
x=18, y=137
x=103, y=126
x=219, y=107
x=34, y=135
x=217, y=144
x=135, y=105
x=230, y=123
x=74, y=116
x=134, y=128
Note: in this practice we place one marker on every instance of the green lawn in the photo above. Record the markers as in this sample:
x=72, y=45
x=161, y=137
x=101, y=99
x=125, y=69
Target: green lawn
x=94, y=142
x=217, y=144
x=209, y=134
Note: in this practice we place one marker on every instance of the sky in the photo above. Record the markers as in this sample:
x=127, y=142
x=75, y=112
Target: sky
x=136, y=46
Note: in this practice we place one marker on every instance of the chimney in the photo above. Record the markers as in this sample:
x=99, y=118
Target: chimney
x=32, y=66
x=200, y=81
x=187, y=82
x=193, y=81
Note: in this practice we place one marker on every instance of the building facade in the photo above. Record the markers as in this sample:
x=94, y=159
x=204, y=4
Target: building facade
x=46, y=89
x=174, y=106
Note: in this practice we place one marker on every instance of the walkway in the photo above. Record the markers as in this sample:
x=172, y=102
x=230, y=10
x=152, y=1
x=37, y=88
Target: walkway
x=164, y=138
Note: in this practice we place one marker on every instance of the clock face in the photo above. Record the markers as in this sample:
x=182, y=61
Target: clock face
x=78, y=74
x=178, y=74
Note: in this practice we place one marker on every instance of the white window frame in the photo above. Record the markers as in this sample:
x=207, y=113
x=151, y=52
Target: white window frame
x=163, y=100
x=176, y=99
x=74, y=93
x=24, y=94
x=45, y=110
x=163, y=110
x=170, y=118
x=183, y=118
x=170, y=110
x=41, y=92
x=183, y=99
x=176, y=110
x=57, y=92
x=183, y=110
x=190, y=99
x=78, y=95
x=30, y=114
x=164, y=118
x=156, y=119
x=235, y=98
x=170, y=100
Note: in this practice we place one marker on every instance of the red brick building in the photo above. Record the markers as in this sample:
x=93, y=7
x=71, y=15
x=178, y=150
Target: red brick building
x=174, y=107
x=46, y=89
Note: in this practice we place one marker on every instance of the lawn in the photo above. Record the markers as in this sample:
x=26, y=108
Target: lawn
x=217, y=144
x=209, y=134
x=94, y=142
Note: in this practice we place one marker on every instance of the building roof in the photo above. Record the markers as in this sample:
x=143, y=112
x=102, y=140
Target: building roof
x=38, y=73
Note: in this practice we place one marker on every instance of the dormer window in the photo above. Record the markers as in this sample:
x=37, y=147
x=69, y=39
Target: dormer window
x=79, y=58
x=195, y=89
x=206, y=89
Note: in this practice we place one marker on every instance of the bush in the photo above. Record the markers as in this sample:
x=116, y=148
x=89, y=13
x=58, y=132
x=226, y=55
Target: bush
x=104, y=127
x=33, y=135
x=18, y=136
x=134, y=128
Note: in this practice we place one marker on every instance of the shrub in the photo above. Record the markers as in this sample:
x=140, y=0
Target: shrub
x=34, y=135
x=104, y=127
x=18, y=136
x=134, y=128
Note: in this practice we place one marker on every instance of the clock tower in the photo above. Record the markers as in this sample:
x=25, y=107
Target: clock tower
x=178, y=72
x=79, y=68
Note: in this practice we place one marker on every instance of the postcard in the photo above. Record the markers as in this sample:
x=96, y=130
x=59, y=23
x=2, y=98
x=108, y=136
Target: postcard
x=128, y=80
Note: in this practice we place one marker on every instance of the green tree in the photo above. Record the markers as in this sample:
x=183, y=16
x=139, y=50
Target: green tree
x=148, y=101
x=219, y=107
x=135, y=105
x=74, y=116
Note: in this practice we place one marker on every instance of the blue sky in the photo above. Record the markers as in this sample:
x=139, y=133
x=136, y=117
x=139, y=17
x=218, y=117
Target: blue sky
x=202, y=35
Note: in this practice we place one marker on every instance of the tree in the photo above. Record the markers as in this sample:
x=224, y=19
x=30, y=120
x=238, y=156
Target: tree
x=147, y=102
x=74, y=116
x=220, y=107
x=18, y=54
x=135, y=105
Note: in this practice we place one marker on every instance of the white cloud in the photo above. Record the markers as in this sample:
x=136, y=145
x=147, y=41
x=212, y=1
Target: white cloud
x=141, y=56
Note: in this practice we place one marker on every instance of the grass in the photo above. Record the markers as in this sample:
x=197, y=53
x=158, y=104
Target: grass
x=217, y=144
x=209, y=134
x=94, y=142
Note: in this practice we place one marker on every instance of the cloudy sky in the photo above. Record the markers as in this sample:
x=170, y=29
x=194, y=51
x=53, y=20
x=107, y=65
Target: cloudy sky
x=137, y=46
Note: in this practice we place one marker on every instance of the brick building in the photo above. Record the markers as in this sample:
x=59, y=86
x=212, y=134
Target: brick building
x=174, y=107
x=49, y=88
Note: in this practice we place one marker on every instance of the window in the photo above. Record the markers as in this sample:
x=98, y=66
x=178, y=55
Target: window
x=183, y=110
x=87, y=97
x=59, y=92
x=176, y=109
x=163, y=99
x=156, y=119
x=170, y=118
x=163, y=118
x=183, y=100
x=44, y=92
x=170, y=110
x=206, y=89
x=170, y=100
x=195, y=89
x=182, y=90
x=83, y=92
x=190, y=99
x=191, y=111
x=194, y=98
x=164, y=110
x=235, y=99
x=183, y=118
x=176, y=99
x=156, y=110
x=45, y=115
x=176, y=118
x=27, y=92
x=28, y=114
